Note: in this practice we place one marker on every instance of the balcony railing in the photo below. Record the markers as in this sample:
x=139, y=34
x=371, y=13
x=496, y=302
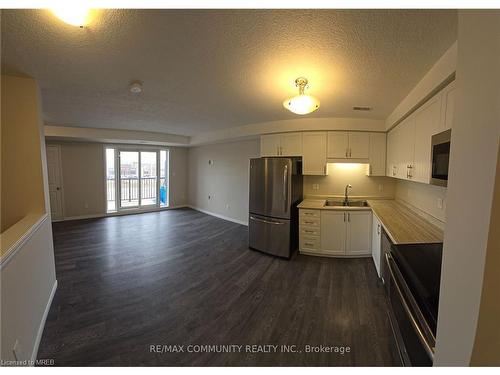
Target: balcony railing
x=130, y=188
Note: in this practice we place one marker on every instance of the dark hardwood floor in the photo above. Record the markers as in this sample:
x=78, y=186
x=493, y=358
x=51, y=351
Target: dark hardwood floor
x=181, y=277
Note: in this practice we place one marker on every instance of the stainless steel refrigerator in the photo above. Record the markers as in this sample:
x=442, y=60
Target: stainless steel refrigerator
x=275, y=191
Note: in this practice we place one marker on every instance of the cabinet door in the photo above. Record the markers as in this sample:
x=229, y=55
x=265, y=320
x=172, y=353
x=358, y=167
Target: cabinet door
x=314, y=153
x=377, y=154
x=359, y=233
x=333, y=231
x=291, y=144
x=391, y=154
x=359, y=145
x=376, y=243
x=405, y=147
x=338, y=145
x=427, y=123
x=448, y=106
x=270, y=145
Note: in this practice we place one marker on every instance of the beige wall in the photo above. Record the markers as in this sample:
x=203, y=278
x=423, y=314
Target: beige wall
x=486, y=351
x=178, y=176
x=22, y=181
x=424, y=197
x=340, y=174
x=473, y=165
x=226, y=180
x=83, y=178
x=82, y=174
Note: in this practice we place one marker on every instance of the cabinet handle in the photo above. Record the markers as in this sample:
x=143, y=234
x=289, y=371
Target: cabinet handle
x=346, y=152
x=349, y=217
x=350, y=152
x=378, y=228
x=309, y=222
x=344, y=217
x=308, y=231
x=308, y=244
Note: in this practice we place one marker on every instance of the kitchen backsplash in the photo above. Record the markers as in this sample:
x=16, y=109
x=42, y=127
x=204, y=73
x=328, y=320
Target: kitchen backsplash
x=341, y=174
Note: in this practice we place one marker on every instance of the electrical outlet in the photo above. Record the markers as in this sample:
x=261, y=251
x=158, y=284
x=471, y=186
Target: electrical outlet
x=86, y=205
x=380, y=187
x=16, y=350
x=315, y=186
x=440, y=203
x=227, y=206
x=210, y=162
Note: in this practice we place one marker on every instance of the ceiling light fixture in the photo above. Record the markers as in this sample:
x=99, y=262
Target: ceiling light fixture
x=73, y=13
x=135, y=87
x=301, y=104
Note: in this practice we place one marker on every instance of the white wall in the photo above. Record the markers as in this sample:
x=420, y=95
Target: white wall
x=473, y=159
x=341, y=174
x=178, y=176
x=226, y=180
x=83, y=174
x=424, y=197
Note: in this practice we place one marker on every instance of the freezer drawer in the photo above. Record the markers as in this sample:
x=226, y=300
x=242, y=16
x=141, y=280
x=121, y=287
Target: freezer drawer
x=269, y=235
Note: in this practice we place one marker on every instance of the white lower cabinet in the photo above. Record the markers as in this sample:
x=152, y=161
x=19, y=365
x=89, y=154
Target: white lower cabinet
x=359, y=233
x=335, y=232
x=376, y=243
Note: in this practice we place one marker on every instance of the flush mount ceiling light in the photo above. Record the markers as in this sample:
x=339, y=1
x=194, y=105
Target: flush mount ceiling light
x=73, y=13
x=135, y=87
x=301, y=104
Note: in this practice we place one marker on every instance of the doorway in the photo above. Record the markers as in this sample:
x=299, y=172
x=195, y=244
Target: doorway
x=136, y=179
x=55, y=181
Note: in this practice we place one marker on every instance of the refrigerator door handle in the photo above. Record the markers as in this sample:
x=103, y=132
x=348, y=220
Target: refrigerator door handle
x=266, y=221
x=285, y=187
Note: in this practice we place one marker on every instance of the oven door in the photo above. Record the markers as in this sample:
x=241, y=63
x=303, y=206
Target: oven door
x=413, y=335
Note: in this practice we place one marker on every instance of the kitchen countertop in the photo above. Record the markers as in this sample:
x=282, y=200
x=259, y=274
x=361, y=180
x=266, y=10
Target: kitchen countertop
x=403, y=225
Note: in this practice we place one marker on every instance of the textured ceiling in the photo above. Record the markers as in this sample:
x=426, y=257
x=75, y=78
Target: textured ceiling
x=210, y=69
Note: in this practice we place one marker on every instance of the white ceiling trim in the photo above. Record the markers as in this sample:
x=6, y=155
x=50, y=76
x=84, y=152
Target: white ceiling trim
x=69, y=133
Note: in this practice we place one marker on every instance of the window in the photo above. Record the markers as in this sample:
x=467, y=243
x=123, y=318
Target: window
x=142, y=181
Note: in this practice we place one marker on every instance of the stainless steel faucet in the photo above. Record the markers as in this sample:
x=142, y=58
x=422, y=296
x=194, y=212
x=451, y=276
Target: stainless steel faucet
x=346, y=197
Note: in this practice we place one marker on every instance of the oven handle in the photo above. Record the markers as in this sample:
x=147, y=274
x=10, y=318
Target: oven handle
x=423, y=340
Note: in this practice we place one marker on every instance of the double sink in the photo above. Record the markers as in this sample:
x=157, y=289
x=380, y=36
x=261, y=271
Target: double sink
x=357, y=203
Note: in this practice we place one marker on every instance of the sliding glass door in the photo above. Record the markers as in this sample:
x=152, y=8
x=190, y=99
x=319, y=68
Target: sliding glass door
x=141, y=181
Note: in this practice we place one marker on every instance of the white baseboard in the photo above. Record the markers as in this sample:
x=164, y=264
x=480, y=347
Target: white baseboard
x=42, y=323
x=245, y=223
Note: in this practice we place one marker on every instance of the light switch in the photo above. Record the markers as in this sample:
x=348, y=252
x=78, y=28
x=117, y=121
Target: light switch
x=380, y=187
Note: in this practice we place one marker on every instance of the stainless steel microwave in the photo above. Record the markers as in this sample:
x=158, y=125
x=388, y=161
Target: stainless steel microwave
x=440, y=158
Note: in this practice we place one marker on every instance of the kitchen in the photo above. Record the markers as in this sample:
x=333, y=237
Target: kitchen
x=295, y=203
x=187, y=207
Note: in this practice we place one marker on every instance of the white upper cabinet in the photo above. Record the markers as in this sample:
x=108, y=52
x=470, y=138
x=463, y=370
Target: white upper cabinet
x=348, y=145
x=359, y=145
x=427, y=123
x=338, y=145
x=291, y=144
x=270, y=145
x=409, y=143
x=314, y=153
x=281, y=144
x=448, y=106
x=377, y=154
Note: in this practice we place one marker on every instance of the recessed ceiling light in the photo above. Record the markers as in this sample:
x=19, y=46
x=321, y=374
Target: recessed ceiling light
x=135, y=87
x=301, y=104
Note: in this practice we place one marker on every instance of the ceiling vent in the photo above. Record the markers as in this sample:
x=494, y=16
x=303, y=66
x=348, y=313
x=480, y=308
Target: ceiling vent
x=362, y=108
